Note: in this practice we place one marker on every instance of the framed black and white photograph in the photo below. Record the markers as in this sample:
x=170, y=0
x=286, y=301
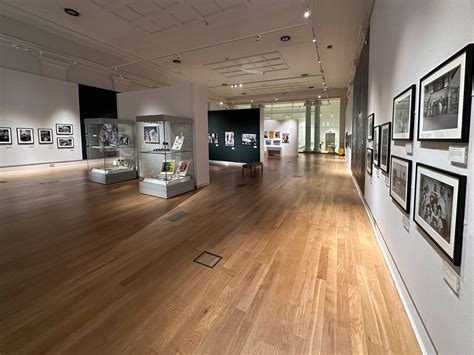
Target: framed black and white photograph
x=213, y=138
x=25, y=136
x=64, y=129
x=65, y=142
x=45, y=136
x=376, y=145
x=369, y=160
x=439, y=208
x=151, y=134
x=445, y=99
x=249, y=139
x=385, y=147
x=403, y=114
x=400, y=182
x=229, y=139
x=5, y=135
x=370, y=127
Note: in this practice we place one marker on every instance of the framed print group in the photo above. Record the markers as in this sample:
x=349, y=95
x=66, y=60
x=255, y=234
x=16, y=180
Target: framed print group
x=385, y=147
x=445, y=99
x=439, y=208
x=403, y=115
x=368, y=160
x=400, y=182
x=370, y=126
x=376, y=145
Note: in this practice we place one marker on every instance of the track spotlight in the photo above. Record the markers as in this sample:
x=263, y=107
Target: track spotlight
x=240, y=85
x=307, y=13
x=314, y=40
x=221, y=103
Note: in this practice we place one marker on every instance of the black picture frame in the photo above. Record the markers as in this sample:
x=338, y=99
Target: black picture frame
x=395, y=197
x=9, y=135
x=466, y=84
x=458, y=203
x=64, y=147
x=385, y=164
x=40, y=140
x=411, y=91
x=32, y=136
x=370, y=126
x=376, y=146
x=60, y=133
x=369, y=155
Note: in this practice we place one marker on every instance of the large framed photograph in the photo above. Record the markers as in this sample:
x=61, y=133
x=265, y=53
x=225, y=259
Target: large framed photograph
x=151, y=134
x=445, y=99
x=229, y=139
x=385, y=147
x=368, y=160
x=370, y=127
x=65, y=142
x=376, y=145
x=439, y=208
x=400, y=182
x=45, y=136
x=64, y=129
x=5, y=135
x=25, y=136
x=403, y=115
x=249, y=139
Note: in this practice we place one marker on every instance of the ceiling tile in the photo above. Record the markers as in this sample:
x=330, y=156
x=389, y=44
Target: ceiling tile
x=184, y=13
x=126, y=13
x=205, y=7
x=144, y=7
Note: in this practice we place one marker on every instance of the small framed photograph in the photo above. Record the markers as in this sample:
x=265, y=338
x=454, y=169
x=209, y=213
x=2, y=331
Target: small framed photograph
x=271, y=134
x=5, y=135
x=285, y=138
x=276, y=142
x=403, y=115
x=25, y=136
x=376, y=145
x=265, y=134
x=64, y=129
x=213, y=138
x=445, y=99
x=400, y=182
x=268, y=142
x=65, y=142
x=249, y=139
x=370, y=127
x=151, y=134
x=439, y=208
x=368, y=160
x=45, y=136
x=277, y=134
x=229, y=139
x=385, y=147
x=182, y=168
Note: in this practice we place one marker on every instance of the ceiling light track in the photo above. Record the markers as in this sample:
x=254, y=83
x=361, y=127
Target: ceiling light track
x=266, y=81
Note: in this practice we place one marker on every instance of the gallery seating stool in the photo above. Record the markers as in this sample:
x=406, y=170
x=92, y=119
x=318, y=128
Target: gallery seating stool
x=253, y=168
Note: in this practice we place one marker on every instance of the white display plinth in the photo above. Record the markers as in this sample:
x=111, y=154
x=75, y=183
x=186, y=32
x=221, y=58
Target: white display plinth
x=166, y=189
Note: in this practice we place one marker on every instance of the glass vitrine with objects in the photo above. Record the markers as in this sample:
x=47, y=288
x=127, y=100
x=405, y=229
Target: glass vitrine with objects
x=111, y=150
x=166, y=155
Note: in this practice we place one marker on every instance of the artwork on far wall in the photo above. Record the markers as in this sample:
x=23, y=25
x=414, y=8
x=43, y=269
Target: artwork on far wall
x=109, y=135
x=25, y=136
x=64, y=129
x=265, y=134
x=268, y=142
x=276, y=142
x=385, y=147
x=370, y=127
x=65, y=142
x=285, y=138
x=277, y=134
x=213, y=138
x=403, y=114
x=400, y=182
x=229, y=139
x=151, y=134
x=369, y=160
x=376, y=145
x=249, y=139
x=45, y=136
x=439, y=208
x=271, y=134
x=445, y=99
x=5, y=135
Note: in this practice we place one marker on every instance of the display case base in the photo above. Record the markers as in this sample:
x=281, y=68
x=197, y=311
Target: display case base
x=99, y=176
x=166, y=191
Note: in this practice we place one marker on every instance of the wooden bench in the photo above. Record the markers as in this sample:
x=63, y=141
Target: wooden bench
x=253, y=168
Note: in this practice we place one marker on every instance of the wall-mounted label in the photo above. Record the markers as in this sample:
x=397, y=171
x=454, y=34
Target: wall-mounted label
x=387, y=180
x=233, y=148
x=451, y=278
x=406, y=223
x=9, y=147
x=409, y=148
x=458, y=155
x=378, y=173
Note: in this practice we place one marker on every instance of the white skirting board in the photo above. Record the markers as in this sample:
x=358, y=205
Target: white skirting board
x=422, y=335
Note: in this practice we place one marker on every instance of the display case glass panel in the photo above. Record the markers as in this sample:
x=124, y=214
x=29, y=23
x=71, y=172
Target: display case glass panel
x=111, y=150
x=166, y=156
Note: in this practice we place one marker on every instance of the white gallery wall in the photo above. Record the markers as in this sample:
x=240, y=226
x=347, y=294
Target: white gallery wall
x=34, y=101
x=184, y=100
x=407, y=40
x=284, y=126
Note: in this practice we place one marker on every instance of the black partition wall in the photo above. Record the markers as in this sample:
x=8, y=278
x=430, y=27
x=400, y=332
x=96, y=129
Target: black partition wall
x=245, y=121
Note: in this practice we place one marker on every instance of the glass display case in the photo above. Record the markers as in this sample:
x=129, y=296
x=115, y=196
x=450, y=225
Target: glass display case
x=166, y=156
x=111, y=153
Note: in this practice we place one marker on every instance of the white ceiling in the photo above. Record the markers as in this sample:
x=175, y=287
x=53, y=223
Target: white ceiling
x=216, y=40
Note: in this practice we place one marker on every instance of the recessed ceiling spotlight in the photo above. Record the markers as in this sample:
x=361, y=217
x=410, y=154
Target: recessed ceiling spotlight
x=329, y=46
x=310, y=87
x=319, y=96
x=325, y=89
x=276, y=98
x=176, y=61
x=314, y=40
x=319, y=61
x=258, y=38
x=307, y=13
x=285, y=38
x=72, y=12
x=251, y=100
x=205, y=23
x=240, y=85
x=221, y=103
x=304, y=75
x=244, y=93
x=224, y=84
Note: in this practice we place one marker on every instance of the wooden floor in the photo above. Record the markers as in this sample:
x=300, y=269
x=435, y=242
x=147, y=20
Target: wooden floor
x=93, y=269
